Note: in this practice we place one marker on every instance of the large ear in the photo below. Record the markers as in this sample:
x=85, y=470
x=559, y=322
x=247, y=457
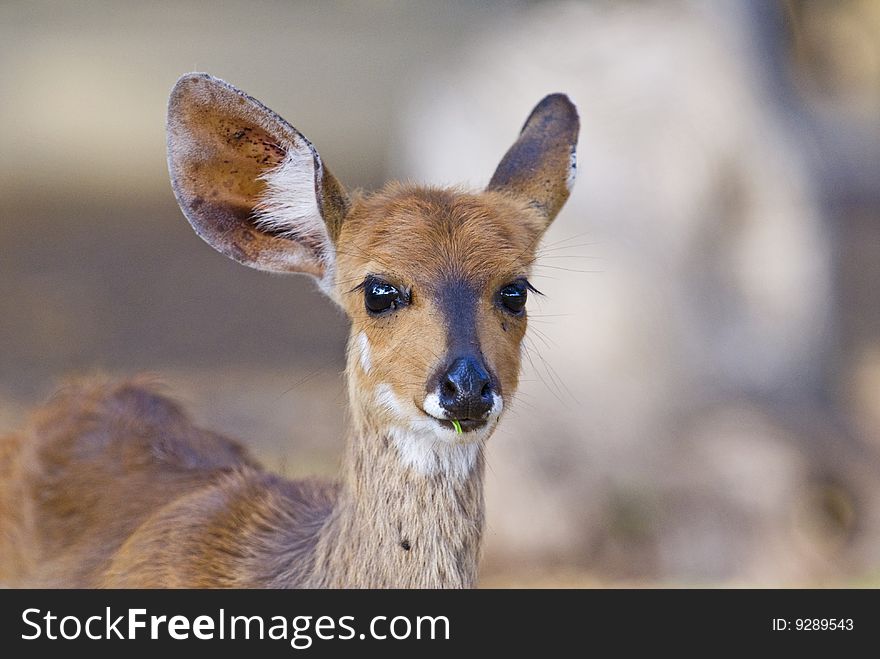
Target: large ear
x=540, y=167
x=249, y=183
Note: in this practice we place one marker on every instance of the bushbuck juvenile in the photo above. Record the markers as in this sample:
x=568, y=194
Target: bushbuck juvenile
x=112, y=485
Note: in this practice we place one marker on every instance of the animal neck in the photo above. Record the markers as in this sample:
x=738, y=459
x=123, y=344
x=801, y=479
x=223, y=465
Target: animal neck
x=409, y=512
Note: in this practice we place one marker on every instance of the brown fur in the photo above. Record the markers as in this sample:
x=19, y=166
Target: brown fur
x=112, y=485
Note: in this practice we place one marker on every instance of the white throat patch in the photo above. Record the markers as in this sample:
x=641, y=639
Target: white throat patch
x=428, y=454
x=427, y=447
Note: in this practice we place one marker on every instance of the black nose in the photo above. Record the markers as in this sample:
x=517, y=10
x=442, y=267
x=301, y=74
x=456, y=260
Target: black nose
x=466, y=389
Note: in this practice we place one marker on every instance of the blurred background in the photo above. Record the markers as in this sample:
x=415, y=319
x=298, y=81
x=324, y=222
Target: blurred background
x=700, y=404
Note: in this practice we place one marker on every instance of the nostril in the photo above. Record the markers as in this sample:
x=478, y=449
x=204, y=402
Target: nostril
x=448, y=388
x=486, y=391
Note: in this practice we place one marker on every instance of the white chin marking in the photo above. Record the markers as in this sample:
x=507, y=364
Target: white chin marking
x=363, y=344
x=432, y=406
x=497, y=408
x=427, y=447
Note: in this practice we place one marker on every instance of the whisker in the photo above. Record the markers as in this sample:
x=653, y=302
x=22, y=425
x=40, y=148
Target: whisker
x=299, y=383
x=559, y=267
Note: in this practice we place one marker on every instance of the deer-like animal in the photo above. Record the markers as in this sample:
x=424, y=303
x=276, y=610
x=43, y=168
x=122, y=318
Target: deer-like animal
x=112, y=486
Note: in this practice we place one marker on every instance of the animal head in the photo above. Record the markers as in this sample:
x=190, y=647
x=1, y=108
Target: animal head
x=435, y=281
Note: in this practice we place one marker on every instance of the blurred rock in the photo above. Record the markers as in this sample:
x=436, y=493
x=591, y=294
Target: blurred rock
x=865, y=391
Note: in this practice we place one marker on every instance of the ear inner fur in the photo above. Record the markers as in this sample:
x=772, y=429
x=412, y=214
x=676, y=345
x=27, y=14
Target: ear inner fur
x=222, y=144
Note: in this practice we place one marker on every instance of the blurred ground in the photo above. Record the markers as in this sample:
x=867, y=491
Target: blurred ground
x=737, y=483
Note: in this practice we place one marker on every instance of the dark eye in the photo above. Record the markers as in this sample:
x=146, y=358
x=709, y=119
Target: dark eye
x=380, y=296
x=513, y=296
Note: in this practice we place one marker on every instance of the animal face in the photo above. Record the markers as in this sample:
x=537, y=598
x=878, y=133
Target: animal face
x=435, y=283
